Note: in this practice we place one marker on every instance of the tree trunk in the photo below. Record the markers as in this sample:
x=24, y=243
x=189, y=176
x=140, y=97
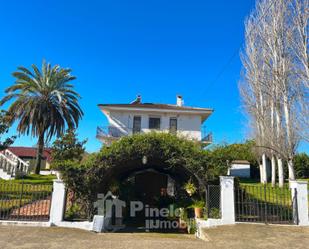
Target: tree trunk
x=39, y=154
x=291, y=169
x=273, y=171
x=289, y=139
x=280, y=172
x=264, y=162
x=261, y=173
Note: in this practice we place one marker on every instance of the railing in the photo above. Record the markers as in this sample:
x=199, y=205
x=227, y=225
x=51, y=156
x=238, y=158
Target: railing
x=11, y=164
x=206, y=136
x=7, y=165
x=113, y=132
x=264, y=204
x=22, y=166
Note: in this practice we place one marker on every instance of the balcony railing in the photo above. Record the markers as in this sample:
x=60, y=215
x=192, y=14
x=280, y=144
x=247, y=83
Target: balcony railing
x=206, y=136
x=112, y=133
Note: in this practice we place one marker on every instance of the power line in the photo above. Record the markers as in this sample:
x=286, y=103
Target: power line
x=228, y=63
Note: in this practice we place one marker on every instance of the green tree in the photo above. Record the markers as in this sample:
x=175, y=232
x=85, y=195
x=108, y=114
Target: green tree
x=4, y=128
x=301, y=162
x=44, y=103
x=219, y=156
x=67, y=148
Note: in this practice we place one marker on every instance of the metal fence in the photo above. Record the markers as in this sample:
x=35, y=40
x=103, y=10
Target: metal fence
x=265, y=204
x=213, y=201
x=25, y=202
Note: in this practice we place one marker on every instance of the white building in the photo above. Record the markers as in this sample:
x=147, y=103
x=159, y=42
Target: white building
x=239, y=168
x=138, y=117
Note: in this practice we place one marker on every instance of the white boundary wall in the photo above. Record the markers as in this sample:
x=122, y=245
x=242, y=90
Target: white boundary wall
x=227, y=208
x=58, y=208
x=301, y=188
x=56, y=212
x=228, y=205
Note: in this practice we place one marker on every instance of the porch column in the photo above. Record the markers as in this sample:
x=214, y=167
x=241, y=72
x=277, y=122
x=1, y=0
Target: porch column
x=57, y=202
x=227, y=200
x=299, y=191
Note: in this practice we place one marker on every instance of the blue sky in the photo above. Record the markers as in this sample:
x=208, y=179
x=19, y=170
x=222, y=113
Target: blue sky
x=118, y=49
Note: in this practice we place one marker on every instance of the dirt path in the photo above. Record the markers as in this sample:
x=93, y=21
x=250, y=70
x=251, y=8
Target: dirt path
x=238, y=236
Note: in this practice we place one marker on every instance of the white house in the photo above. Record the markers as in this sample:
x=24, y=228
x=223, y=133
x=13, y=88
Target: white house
x=239, y=168
x=136, y=117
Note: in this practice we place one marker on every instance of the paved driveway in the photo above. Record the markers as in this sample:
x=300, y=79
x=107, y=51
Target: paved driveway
x=238, y=236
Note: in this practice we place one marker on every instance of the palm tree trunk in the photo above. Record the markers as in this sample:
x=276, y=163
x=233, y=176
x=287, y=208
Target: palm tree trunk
x=39, y=153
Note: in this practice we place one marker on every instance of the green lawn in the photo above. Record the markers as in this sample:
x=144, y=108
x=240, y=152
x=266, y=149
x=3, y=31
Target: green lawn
x=261, y=192
x=32, y=179
x=274, y=195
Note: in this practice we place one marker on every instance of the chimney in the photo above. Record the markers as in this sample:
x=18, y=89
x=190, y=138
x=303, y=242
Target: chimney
x=138, y=100
x=179, y=100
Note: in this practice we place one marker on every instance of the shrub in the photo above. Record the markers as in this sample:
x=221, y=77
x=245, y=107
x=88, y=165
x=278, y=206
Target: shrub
x=301, y=164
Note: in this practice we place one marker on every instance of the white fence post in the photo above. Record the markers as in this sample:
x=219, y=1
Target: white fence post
x=227, y=200
x=301, y=190
x=58, y=202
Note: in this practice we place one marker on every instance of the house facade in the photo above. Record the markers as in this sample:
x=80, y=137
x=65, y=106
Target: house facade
x=138, y=117
x=17, y=160
x=29, y=154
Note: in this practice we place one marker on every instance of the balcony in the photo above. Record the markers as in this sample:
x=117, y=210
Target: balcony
x=206, y=136
x=112, y=132
x=108, y=134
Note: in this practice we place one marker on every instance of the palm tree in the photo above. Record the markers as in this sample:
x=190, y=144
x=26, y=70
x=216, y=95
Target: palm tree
x=45, y=104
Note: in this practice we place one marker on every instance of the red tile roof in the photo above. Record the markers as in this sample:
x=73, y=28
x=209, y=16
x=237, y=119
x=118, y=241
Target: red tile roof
x=30, y=152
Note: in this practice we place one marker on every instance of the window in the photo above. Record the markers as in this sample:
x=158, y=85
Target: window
x=173, y=125
x=136, y=124
x=154, y=123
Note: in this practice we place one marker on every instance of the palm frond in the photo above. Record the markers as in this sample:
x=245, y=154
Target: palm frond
x=44, y=101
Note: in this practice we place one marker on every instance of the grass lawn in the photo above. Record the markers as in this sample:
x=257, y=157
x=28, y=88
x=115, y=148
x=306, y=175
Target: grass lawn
x=262, y=192
x=32, y=179
x=273, y=195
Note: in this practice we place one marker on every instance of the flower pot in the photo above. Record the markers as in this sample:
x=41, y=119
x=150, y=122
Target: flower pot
x=198, y=212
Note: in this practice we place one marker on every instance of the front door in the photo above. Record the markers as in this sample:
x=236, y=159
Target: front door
x=150, y=187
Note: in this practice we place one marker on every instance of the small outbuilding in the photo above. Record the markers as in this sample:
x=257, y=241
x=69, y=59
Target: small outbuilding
x=239, y=168
x=28, y=154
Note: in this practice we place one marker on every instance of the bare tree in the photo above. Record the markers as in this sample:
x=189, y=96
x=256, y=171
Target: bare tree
x=275, y=85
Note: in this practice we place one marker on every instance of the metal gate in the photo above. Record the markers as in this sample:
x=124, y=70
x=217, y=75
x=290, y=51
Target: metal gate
x=213, y=201
x=265, y=204
x=19, y=201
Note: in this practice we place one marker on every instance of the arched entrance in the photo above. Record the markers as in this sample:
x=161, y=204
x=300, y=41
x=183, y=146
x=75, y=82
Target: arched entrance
x=152, y=169
x=156, y=186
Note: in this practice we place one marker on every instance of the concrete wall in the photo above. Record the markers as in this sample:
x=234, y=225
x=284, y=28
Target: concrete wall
x=187, y=125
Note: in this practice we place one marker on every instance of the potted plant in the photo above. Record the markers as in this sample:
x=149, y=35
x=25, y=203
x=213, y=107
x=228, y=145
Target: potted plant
x=198, y=208
x=190, y=188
